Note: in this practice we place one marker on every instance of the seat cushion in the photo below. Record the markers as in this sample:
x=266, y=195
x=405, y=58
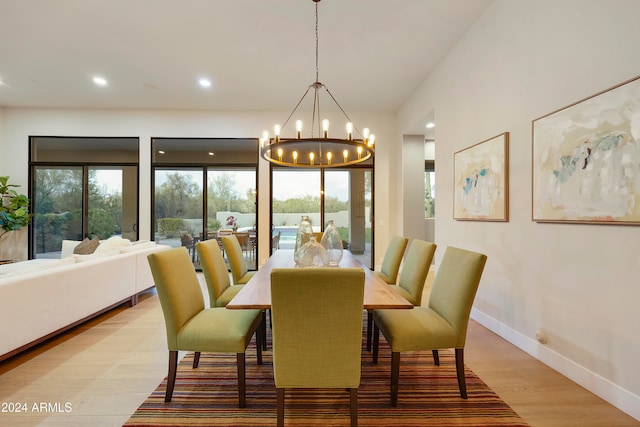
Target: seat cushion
x=245, y=278
x=227, y=295
x=417, y=329
x=219, y=330
x=384, y=277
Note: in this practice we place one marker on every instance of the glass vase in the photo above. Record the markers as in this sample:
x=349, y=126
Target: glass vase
x=304, y=231
x=332, y=242
x=312, y=254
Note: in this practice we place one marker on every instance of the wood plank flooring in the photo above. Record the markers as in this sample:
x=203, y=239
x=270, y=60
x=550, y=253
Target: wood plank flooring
x=104, y=369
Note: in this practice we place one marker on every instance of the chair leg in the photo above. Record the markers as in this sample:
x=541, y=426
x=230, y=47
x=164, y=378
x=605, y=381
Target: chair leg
x=369, y=328
x=353, y=392
x=260, y=337
x=395, y=377
x=264, y=329
x=241, y=380
x=462, y=384
x=196, y=359
x=376, y=342
x=171, y=376
x=280, y=407
x=436, y=357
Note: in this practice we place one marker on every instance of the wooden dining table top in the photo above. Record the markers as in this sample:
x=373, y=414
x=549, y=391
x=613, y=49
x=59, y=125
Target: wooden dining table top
x=257, y=292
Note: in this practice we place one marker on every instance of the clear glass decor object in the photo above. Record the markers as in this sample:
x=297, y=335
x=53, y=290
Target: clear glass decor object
x=312, y=254
x=332, y=242
x=304, y=231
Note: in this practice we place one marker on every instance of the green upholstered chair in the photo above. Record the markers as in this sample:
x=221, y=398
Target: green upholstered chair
x=215, y=273
x=192, y=327
x=413, y=275
x=415, y=269
x=441, y=324
x=317, y=330
x=217, y=279
x=237, y=264
x=392, y=259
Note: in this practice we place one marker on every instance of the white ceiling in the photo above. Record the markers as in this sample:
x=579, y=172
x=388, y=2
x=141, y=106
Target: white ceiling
x=259, y=54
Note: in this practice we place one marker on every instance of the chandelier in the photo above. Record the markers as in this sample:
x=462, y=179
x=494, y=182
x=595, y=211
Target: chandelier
x=318, y=150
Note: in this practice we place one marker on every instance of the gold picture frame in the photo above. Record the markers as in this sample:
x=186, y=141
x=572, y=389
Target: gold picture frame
x=586, y=160
x=481, y=181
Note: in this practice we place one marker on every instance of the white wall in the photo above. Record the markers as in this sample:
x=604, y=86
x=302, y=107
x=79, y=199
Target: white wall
x=578, y=283
x=17, y=124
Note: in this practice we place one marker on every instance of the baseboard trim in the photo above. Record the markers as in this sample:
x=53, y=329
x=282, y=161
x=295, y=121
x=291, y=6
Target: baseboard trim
x=596, y=384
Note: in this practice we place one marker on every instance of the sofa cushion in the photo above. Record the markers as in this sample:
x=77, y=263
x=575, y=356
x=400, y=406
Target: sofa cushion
x=113, y=243
x=86, y=246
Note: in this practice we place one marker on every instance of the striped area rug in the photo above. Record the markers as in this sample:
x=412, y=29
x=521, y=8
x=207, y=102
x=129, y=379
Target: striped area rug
x=429, y=396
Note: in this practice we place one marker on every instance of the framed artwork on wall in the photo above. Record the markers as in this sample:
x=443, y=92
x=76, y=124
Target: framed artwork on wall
x=481, y=181
x=586, y=160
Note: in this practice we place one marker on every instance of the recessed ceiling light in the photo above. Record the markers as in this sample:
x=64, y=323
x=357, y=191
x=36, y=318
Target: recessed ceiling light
x=430, y=125
x=160, y=152
x=100, y=81
x=204, y=82
x=211, y=153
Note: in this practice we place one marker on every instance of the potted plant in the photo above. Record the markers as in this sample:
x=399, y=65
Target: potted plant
x=14, y=208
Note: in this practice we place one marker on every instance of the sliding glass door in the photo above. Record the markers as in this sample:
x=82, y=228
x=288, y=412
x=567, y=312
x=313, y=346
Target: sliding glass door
x=342, y=195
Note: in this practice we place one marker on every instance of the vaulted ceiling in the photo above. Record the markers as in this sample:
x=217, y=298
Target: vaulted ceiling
x=258, y=54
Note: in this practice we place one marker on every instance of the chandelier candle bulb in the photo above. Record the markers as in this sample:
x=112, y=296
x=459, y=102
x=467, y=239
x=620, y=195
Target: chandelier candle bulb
x=298, y=129
x=295, y=157
x=329, y=155
x=276, y=131
x=345, y=154
x=359, y=151
x=311, y=157
x=280, y=154
x=325, y=128
x=372, y=140
x=349, y=131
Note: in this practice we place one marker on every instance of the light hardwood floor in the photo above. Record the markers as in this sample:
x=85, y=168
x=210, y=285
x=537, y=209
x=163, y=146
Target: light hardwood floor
x=105, y=369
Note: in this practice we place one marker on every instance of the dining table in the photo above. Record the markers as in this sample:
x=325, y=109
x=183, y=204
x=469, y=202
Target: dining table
x=256, y=293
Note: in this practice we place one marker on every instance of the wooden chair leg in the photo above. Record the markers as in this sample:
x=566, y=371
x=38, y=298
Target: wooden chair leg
x=280, y=407
x=196, y=359
x=369, y=328
x=264, y=329
x=171, y=376
x=260, y=337
x=241, y=380
x=395, y=377
x=353, y=392
x=376, y=342
x=436, y=357
x=462, y=384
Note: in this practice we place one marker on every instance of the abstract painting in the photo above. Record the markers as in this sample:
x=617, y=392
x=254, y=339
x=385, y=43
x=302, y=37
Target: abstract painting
x=586, y=160
x=481, y=181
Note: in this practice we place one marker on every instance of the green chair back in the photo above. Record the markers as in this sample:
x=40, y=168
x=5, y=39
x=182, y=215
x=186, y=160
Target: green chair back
x=415, y=269
x=237, y=263
x=214, y=269
x=178, y=289
x=455, y=286
x=392, y=259
x=317, y=327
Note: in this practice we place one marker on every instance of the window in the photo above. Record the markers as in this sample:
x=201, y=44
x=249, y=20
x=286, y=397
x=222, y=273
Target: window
x=82, y=187
x=429, y=189
x=182, y=200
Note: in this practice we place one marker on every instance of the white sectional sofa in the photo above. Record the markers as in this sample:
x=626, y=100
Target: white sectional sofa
x=43, y=297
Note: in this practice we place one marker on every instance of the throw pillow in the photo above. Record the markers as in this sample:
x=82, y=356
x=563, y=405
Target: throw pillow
x=87, y=246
